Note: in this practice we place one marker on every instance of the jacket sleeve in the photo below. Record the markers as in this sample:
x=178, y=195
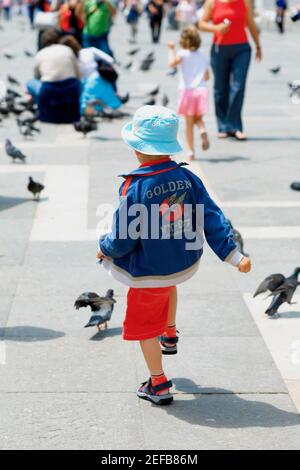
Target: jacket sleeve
x=217, y=230
x=118, y=243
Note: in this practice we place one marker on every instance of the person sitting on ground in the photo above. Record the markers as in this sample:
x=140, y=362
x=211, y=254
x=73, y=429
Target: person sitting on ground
x=96, y=86
x=56, y=86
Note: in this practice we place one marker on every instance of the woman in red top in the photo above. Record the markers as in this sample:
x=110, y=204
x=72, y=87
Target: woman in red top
x=230, y=59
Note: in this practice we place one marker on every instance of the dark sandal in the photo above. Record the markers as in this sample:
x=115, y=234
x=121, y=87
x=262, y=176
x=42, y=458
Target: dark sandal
x=147, y=392
x=170, y=347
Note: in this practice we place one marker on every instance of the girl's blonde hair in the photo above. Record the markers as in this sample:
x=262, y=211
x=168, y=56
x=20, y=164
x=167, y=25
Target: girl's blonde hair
x=190, y=38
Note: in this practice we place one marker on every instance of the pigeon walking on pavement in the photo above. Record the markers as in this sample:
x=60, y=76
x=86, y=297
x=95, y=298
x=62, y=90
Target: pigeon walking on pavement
x=237, y=236
x=275, y=70
x=13, y=81
x=281, y=289
x=35, y=188
x=85, y=125
x=13, y=152
x=165, y=100
x=101, y=307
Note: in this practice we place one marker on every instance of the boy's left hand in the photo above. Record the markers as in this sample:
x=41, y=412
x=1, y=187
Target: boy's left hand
x=245, y=265
x=100, y=255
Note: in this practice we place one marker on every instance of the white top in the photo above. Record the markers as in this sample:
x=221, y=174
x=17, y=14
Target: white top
x=55, y=63
x=187, y=11
x=88, y=60
x=192, y=69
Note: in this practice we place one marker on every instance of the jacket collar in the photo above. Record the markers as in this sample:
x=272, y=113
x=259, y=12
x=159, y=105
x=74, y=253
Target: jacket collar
x=154, y=168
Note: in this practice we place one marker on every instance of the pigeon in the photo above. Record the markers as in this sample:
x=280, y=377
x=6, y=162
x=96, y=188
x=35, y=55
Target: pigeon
x=128, y=66
x=151, y=102
x=35, y=188
x=133, y=51
x=101, y=307
x=154, y=92
x=237, y=237
x=28, y=53
x=150, y=56
x=275, y=70
x=165, y=100
x=27, y=128
x=281, y=289
x=295, y=186
x=14, y=152
x=85, y=125
x=172, y=72
x=146, y=65
x=8, y=55
x=13, y=80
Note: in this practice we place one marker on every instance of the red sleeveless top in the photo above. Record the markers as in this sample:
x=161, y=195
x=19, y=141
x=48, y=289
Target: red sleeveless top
x=236, y=12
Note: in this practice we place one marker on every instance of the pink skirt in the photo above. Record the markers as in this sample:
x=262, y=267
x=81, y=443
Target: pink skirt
x=193, y=102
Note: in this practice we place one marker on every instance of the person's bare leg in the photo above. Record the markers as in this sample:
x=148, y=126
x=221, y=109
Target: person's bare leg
x=203, y=133
x=172, y=308
x=152, y=354
x=189, y=123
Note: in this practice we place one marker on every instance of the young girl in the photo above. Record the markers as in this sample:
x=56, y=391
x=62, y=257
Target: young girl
x=193, y=93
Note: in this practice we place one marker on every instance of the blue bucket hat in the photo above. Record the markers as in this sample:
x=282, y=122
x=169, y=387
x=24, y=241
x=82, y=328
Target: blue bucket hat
x=153, y=131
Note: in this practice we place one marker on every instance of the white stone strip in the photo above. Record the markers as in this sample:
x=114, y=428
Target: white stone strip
x=272, y=232
x=2, y=353
x=258, y=204
x=282, y=337
x=61, y=215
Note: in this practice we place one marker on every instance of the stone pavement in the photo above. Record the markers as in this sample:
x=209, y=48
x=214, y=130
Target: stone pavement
x=64, y=387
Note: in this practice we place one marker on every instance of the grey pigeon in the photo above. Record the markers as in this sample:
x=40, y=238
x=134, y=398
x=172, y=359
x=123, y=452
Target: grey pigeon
x=35, y=188
x=146, y=65
x=172, y=72
x=27, y=128
x=275, y=70
x=295, y=186
x=14, y=152
x=128, y=66
x=154, y=92
x=28, y=53
x=150, y=102
x=281, y=288
x=13, y=80
x=8, y=55
x=165, y=100
x=85, y=125
x=101, y=307
x=133, y=51
x=238, y=239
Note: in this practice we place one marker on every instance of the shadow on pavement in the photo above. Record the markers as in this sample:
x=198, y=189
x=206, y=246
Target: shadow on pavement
x=101, y=335
x=274, y=139
x=28, y=334
x=225, y=159
x=8, y=202
x=220, y=408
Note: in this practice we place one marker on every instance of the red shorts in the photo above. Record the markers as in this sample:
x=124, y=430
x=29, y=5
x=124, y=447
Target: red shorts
x=147, y=312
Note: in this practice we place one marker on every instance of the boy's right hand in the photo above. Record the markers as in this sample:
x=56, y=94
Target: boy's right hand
x=171, y=45
x=245, y=265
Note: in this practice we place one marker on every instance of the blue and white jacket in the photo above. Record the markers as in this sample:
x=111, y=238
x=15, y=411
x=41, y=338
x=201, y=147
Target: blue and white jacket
x=167, y=257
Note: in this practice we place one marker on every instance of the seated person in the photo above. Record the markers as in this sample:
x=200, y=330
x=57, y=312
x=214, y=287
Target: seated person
x=56, y=87
x=96, y=86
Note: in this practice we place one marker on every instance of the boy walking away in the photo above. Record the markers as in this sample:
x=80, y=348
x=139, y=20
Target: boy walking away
x=157, y=238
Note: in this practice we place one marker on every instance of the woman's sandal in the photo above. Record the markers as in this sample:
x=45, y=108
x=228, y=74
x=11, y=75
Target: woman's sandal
x=205, y=140
x=238, y=135
x=222, y=135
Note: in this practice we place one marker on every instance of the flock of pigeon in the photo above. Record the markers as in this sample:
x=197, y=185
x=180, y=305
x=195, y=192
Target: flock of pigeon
x=13, y=102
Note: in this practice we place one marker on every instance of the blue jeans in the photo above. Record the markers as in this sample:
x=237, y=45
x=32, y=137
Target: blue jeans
x=230, y=66
x=100, y=42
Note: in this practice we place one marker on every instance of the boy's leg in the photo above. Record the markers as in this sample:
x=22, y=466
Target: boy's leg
x=189, y=122
x=170, y=331
x=153, y=356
